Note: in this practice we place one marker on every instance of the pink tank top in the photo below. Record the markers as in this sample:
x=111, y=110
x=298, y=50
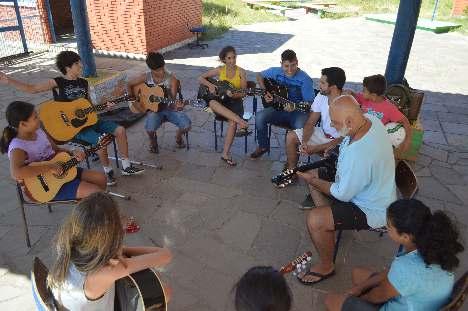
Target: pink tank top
x=36, y=150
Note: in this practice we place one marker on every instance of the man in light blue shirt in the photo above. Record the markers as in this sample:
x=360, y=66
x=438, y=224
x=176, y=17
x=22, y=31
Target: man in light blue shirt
x=363, y=188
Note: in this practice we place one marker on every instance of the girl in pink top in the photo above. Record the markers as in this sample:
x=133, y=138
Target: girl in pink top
x=26, y=142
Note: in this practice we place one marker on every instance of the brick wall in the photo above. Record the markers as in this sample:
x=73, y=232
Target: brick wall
x=459, y=6
x=140, y=26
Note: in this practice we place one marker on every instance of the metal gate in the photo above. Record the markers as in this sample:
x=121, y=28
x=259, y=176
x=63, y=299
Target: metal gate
x=21, y=28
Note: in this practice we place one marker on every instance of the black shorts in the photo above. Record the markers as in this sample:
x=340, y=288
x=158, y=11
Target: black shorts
x=357, y=304
x=235, y=105
x=348, y=216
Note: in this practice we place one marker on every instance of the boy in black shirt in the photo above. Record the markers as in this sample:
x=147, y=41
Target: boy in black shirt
x=71, y=87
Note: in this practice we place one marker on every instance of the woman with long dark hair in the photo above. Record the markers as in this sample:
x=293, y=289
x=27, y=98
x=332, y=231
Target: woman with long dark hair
x=420, y=278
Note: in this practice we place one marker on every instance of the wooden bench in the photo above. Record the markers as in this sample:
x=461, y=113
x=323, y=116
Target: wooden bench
x=315, y=7
x=260, y=3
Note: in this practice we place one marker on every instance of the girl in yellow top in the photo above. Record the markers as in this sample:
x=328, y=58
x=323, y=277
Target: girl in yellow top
x=231, y=107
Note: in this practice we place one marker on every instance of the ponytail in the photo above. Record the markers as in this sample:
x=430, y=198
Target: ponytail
x=435, y=235
x=9, y=133
x=16, y=112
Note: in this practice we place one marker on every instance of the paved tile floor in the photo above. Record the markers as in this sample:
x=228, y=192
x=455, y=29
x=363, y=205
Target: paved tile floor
x=219, y=221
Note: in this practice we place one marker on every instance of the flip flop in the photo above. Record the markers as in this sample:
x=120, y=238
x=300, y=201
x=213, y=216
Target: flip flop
x=229, y=161
x=321, y=276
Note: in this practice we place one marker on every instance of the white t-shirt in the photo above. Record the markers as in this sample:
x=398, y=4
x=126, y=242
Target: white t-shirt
x=320, y=104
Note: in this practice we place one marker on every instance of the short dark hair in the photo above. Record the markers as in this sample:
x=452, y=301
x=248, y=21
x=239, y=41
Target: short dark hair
x=288, y=55
x=66, y=59
x=262, y=288
x=155, y=60
x=376, y=84
x=224, y=51
x=335, y=76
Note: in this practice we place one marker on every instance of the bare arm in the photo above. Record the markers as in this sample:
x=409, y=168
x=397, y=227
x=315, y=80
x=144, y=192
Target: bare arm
x=209, y=74
x=381, y=293
x=43, y=86
x=405, y=144
x=19, y=170
x=135, y=106
x=309, y=126
x=99, y=282
x=173, y=87
x=260, y=81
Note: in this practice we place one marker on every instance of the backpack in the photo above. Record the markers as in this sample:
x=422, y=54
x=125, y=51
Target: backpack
x=400, y=95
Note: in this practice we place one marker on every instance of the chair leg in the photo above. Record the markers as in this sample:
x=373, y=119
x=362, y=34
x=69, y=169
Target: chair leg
x=222, y=128
x=25, y=225
x=215, y=135
x=116, y=154
x=49, y=207
x=245, y=144
x=254, y=108
x=187, y=145
x=269, y=138
x=337, y=245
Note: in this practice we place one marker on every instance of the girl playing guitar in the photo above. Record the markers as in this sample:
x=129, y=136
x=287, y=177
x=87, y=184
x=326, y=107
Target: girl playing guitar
x=231, y=107
x=91, y=256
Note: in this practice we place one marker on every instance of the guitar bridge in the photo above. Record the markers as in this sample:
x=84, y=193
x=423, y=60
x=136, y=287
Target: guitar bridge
x=64, y=118
x=43, y=183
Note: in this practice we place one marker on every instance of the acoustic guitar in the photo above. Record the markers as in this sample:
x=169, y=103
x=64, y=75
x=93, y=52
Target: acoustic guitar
x=153, y=98
x=64, y=120
x=222, y=87
x=140, y=291
x=44, y=187
x=329, y=162
x=280, y=95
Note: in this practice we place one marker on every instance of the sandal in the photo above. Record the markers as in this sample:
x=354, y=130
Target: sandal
x=180, y=143
x=258, y=153
x=229, y=161
x=321, y=276
x=243, y=132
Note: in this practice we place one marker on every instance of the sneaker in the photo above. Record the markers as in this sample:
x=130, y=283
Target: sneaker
x=132, y=170
x=308, y=203
x=110, y=178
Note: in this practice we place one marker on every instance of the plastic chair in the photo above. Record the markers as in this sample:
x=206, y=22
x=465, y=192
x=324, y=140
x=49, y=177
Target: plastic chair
x=22, y=202
x=41, y=292
x=197, y=31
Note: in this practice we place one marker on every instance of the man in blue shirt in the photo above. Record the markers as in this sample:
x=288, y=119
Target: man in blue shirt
x=300, y=89
x=363, y=188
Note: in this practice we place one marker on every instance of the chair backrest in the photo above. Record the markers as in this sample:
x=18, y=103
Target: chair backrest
x=406, y=180
x=41, y=293
x=459, y=293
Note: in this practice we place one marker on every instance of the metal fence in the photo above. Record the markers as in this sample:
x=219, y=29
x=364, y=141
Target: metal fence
x=21, y=28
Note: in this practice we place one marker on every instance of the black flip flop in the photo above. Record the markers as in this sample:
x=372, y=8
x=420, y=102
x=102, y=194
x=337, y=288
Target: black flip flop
x=229, y=161
x=321, y=276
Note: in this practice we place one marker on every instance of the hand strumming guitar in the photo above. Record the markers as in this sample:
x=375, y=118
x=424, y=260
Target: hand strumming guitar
x=268, y=97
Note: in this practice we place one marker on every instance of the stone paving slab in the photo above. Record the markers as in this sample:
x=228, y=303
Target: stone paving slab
x=219, y=221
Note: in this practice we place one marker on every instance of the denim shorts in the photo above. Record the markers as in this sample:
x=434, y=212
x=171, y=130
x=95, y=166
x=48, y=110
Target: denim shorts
x=155, y=119
x=91, y=134
x=68, y=190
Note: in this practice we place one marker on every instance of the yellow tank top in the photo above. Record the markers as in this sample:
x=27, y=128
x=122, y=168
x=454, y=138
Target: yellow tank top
x=235, y=81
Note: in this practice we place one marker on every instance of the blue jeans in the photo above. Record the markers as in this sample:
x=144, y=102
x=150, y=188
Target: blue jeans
x=294, y=120
x=155, y=119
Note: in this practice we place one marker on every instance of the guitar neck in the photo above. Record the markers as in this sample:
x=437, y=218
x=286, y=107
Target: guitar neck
x=103, y=106
x=74, y=161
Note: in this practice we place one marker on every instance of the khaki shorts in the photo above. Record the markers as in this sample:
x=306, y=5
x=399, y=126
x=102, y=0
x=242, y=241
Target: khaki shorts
x=318, y=136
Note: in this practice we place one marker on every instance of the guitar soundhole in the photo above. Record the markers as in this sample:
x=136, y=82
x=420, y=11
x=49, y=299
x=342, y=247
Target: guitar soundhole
x=79, y=113
x=78, y=122
x=61, y=176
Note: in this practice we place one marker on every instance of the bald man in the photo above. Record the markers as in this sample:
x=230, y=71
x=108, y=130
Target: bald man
x=363, y=188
